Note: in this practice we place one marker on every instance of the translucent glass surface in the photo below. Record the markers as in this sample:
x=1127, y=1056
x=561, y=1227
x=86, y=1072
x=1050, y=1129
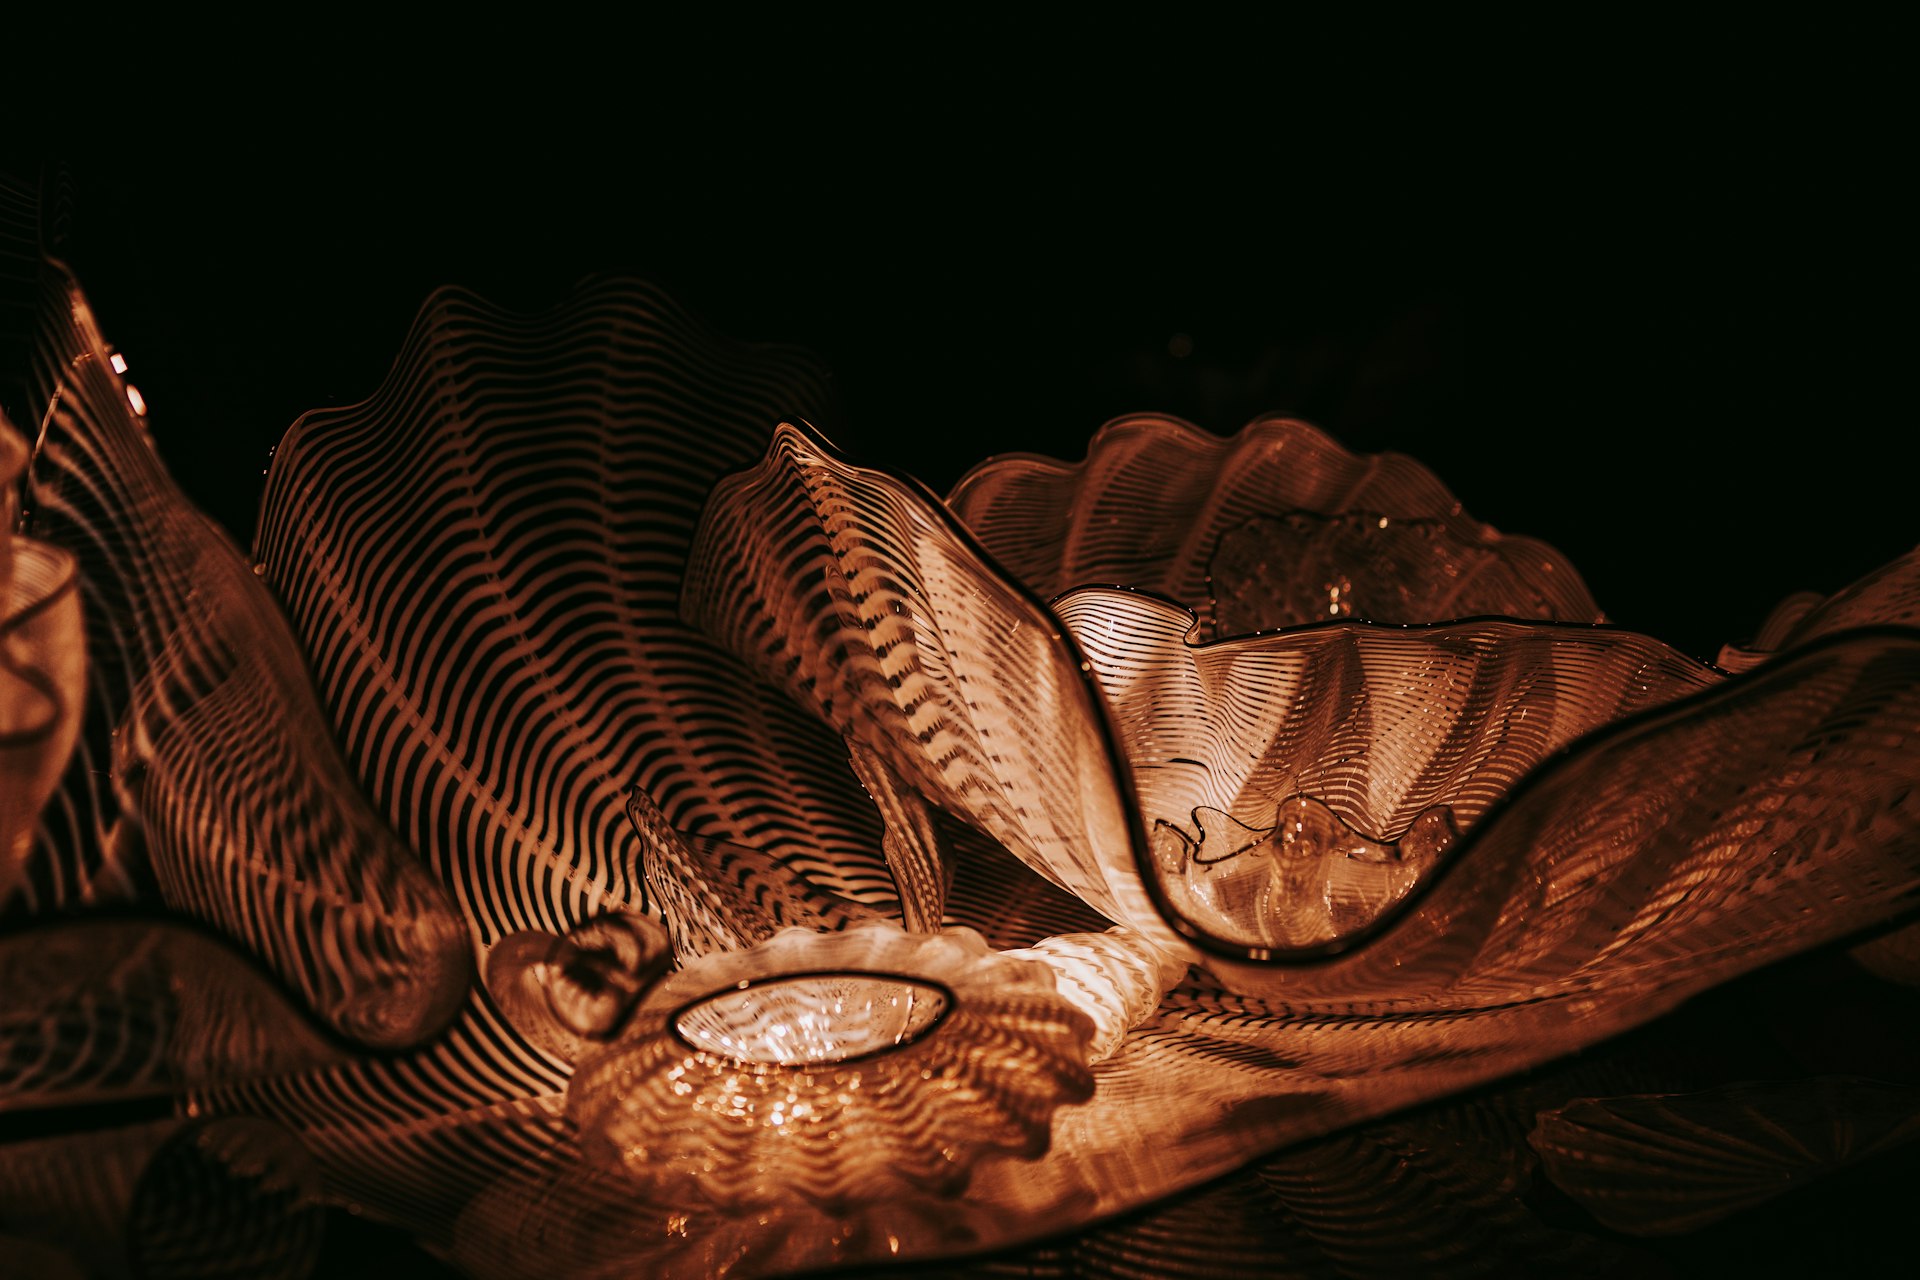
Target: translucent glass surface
x=1277, y=526
x=207, y=775
x=815, y=1018
x=562, y=992
x=1277, y=796
x=835, y=1068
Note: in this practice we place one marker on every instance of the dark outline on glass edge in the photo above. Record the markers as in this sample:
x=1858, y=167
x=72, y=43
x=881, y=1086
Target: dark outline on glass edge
x=1320, y=955
x=820, y=1064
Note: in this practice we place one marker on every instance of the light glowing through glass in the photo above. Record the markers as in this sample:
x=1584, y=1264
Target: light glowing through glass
x=813, y=1018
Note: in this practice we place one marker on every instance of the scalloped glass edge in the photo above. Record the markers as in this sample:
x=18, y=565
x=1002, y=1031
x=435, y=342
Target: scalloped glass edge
x=1426, y=497
x=1270, y=1126
x=1258, y=969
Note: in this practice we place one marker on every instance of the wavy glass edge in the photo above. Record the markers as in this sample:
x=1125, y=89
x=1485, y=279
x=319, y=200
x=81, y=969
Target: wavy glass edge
x=1248, y=1117
x=709, y=604
x=1646, y=674
x=1886, y=596
x=200, y=683
x=909, y=1113
x=1247, y=965
x=1182, y=572
x=1428, y=908
x=498, y=440
x=564, y=992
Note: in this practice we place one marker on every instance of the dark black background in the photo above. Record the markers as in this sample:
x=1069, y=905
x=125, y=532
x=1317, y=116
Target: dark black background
x=1643, y=291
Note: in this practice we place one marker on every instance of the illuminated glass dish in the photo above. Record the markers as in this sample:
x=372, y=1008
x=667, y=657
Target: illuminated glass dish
x=1029, y=857
x=835, y=1068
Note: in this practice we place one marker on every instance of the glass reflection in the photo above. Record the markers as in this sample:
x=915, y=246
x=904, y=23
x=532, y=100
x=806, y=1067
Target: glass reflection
x=813, y=1018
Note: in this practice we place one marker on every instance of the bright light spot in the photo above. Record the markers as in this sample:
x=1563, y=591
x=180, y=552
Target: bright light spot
x=138, y=401
x=119, y=363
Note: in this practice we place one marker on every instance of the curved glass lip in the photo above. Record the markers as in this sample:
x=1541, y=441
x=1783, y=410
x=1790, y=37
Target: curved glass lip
x=1147, y=423
x=950, y=1003
x=1728, y=684
x=1176, y=427
x=1323, y=954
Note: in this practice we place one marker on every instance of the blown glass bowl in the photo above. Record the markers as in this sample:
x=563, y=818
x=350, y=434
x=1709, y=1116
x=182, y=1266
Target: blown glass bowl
x=1021, y=858
x=836, y=1068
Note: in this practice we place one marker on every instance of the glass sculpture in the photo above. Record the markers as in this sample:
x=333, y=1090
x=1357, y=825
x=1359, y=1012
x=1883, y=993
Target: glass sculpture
x=604, y=831
x=838, y=1068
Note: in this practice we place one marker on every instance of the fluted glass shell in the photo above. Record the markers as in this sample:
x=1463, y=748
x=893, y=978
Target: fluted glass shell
x=857, y=594
x=1278, y=526
x=1297, y=787
x=835, y=1068
x=598, y=641
x=1069, y=733
x=229, y=800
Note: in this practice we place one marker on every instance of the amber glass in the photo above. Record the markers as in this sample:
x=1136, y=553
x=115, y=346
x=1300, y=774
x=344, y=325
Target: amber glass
x=857, y=877
x=833, y=1068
